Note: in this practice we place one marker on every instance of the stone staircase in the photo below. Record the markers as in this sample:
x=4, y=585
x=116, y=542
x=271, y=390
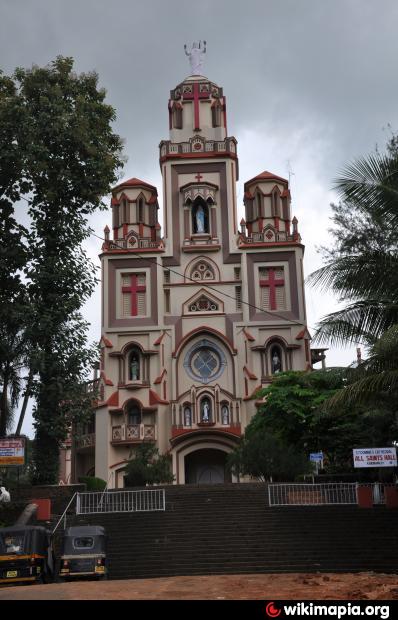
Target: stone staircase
x=230, y=529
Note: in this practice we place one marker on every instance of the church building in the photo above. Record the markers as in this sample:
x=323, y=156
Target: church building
x=200, y=315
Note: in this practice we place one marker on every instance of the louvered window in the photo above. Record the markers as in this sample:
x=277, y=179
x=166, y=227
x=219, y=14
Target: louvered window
x=238, y=297
x=272, y=288
x=134, y=294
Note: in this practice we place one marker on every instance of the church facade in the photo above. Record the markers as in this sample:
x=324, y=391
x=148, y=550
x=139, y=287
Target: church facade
x=196, y=319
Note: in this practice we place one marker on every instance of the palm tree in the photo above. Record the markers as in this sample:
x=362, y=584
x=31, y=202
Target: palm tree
x=374, y=380
x=365, y=279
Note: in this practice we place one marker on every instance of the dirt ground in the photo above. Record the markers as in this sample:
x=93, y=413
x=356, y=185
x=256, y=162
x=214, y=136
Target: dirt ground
x=292, y=586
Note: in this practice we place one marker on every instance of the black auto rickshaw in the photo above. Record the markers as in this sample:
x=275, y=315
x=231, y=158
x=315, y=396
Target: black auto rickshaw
x=83, y=552
x=26, y=554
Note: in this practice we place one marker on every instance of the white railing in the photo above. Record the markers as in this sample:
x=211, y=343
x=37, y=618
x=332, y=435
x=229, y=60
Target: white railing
x=147, y=500
x=312, y=494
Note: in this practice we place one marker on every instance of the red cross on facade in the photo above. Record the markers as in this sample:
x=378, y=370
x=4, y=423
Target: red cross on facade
x=198, y=177
x=133, y=289
x=272, y=282
x=196, y=95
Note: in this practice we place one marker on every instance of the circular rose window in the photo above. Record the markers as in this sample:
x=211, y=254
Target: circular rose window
x=205, y=361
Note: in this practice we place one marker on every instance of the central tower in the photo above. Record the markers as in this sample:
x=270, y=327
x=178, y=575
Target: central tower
x=198, y=318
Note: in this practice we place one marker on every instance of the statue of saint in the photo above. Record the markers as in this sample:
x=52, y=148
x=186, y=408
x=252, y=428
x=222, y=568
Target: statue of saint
x=134, y=368
x=200, y=219
x=187, y=416
x=196, y=57
x=206, y=412
x=276, y=362
x=225, y=415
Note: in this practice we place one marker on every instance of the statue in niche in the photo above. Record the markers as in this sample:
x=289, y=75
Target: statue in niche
x=225, y=415
x=276, y=362
x=200, y=219
x=196, y=57
x=205, y=411
x=187, y=416
x=134, y=367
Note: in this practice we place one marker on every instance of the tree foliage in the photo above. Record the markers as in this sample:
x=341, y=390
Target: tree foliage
x=362, y=270
x=264, y=456
x=147, y=466
x=13, y=259
x=296, y=412
x=68, y=158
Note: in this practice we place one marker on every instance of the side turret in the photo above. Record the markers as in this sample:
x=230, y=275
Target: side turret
x=134, y=216
x=267, y=211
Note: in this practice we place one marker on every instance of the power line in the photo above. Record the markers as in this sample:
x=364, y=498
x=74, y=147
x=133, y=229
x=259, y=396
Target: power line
x=208, y=286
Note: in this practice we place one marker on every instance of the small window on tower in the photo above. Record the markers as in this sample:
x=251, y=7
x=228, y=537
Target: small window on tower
x=238, y=297
x=216, y=114
x=272, y=288
x=125, y=211
x=134, y=294
x=167, y=300
x=177, y=116
x=140, y=210
x=275, y=202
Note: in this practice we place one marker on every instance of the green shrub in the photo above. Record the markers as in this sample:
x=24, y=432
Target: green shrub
x=147, y=466
x=92, y=483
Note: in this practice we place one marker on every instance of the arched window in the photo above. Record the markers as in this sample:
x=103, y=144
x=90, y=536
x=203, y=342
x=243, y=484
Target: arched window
x=205, y=410
x=225, y=420
x=216, y=114
x=177, y=116
x=276, y=363
x=134, y=415
x=134, y=372
x=140, y=210
x=259, y=209
x=187, y=416
x=275, y=203
x=200, y=217
x=125, y=211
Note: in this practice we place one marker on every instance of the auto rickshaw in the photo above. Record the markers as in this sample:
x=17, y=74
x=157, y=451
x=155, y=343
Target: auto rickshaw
x=26, y=554
x=83, y=553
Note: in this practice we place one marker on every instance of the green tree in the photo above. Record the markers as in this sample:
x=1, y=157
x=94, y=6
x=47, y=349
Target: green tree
x=375, y=380
x=147, y=466
x=296, y=411
x=13, y=259
x=69, y=160
x=264, y=456
x=362, y=268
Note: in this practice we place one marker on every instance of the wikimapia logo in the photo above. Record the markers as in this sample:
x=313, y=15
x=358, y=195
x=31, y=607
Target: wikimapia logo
x=303, y=609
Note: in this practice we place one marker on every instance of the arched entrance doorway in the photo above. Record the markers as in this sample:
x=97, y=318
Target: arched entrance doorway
x=206, y=467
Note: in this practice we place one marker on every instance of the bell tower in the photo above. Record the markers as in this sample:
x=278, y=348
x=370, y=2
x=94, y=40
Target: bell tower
x=198, y=317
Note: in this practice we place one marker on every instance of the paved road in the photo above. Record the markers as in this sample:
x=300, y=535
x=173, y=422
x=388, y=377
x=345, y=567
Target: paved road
x=293, y=586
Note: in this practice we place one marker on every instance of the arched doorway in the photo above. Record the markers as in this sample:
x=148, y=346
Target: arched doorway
x=206, y=467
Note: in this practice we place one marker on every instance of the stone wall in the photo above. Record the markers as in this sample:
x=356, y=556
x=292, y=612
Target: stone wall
x=58, y=494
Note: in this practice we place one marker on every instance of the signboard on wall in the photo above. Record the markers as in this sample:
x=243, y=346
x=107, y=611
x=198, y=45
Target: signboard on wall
x=375, y=457
x=12, y=451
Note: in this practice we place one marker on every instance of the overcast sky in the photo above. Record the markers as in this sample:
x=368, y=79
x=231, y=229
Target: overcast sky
x=310, y=85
